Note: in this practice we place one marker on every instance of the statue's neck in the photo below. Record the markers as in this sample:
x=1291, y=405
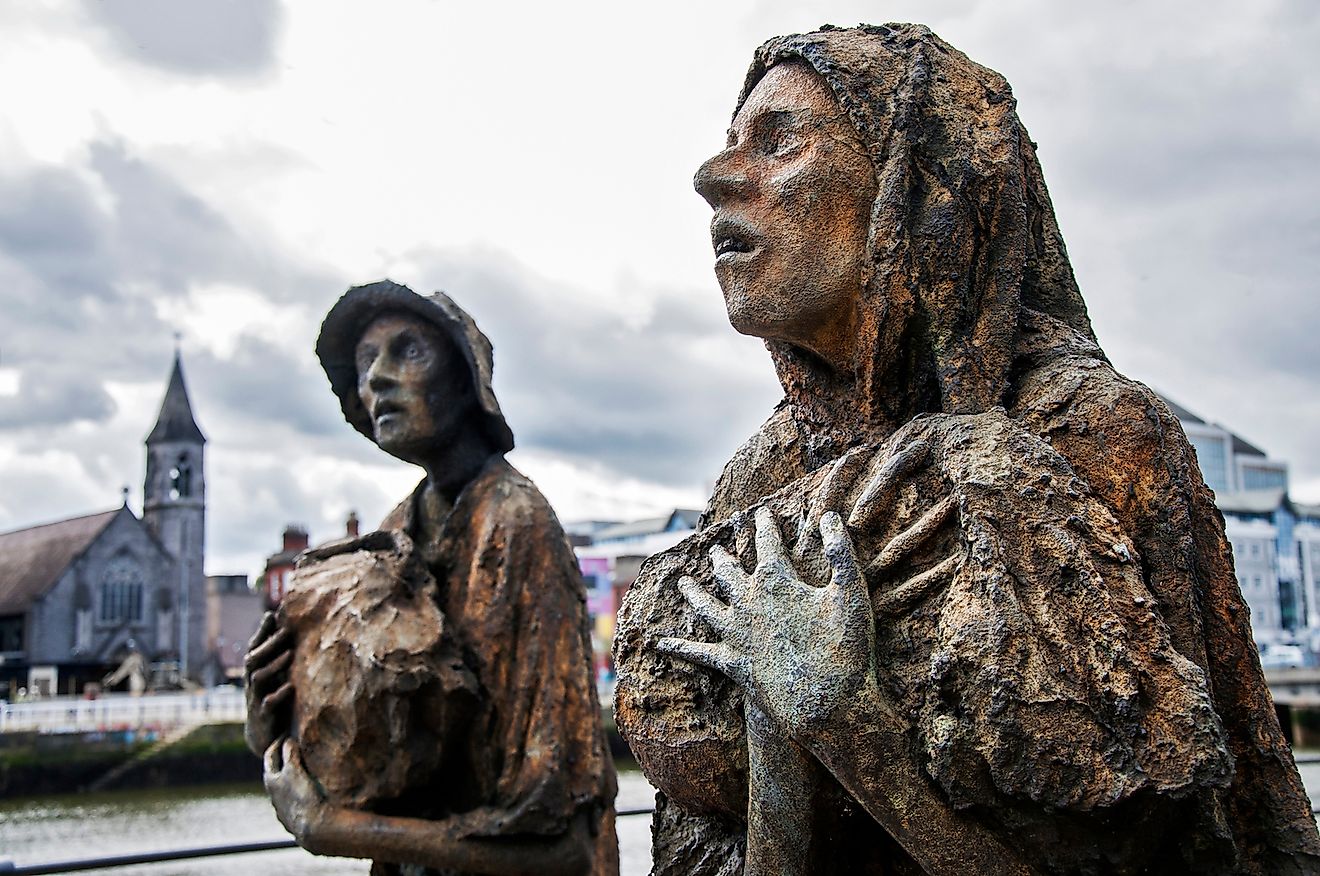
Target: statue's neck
x=456, y=464
x=837, y=409
x=824, y=401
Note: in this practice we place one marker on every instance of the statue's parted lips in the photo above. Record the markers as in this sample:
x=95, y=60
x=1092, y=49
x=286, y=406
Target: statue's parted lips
x=729, y=235
x=383, y=407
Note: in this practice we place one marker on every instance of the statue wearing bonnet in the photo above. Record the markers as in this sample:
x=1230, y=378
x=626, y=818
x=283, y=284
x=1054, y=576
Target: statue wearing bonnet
x=424, y=696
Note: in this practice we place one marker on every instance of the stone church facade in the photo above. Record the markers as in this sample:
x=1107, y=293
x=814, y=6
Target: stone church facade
x=77, y=595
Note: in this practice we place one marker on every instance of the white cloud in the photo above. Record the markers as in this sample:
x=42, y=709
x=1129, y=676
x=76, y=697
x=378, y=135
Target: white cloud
x=217, y=316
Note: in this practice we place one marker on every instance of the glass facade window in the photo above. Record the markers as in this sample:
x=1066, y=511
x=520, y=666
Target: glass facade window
x=1213, y=460
x=1260, y=478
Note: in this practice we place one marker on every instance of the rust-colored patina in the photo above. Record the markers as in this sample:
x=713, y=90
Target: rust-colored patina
x=963, y=604
x=425, y=695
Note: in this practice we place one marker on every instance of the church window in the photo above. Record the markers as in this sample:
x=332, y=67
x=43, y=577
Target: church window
x=181, y=478
x=11, y=634
x=121, y=592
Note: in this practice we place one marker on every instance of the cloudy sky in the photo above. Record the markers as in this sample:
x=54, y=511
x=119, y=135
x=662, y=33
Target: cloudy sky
x=225, y=170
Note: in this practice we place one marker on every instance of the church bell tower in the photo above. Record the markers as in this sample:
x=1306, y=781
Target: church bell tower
x=174, y=507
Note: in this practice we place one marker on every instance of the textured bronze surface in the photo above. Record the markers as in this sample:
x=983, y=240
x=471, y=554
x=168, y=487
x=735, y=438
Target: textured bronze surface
x=963, y=604
x=424, y=696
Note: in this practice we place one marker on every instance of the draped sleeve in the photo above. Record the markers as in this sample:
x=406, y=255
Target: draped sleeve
x=511, y=584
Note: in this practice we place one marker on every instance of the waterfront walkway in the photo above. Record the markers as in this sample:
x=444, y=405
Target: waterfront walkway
x=159, y=711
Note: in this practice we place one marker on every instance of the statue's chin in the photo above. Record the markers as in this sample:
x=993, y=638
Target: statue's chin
x=402, y=448
x=745, y=316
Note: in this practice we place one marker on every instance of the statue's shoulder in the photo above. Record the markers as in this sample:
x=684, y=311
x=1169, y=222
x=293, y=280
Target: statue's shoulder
x=1083, y=400
x=771, y=458
x=504, y=499
x=401, y=518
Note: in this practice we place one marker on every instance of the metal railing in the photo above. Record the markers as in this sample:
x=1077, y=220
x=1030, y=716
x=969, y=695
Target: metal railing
x=113, y=711
x=9, y=868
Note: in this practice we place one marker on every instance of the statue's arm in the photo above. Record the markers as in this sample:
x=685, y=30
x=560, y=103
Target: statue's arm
x=454, y=843
x=806, y=654
x=866, y=750
x=446, y=844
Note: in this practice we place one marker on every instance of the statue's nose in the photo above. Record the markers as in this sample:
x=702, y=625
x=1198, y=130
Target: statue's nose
x=379, y=374
x=721, y=178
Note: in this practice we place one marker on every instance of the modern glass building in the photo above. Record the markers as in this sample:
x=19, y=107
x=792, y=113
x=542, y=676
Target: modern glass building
x=1275, y=541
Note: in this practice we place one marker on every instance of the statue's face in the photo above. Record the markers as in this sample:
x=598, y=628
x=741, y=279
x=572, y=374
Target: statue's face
x=402, y=364
x=792, y=193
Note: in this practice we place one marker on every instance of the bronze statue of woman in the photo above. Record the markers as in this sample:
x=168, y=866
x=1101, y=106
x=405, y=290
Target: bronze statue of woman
x=424, y=696
x=963, y=604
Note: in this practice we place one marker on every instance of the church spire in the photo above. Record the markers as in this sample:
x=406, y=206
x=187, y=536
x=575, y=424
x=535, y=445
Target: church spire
x=176, y=421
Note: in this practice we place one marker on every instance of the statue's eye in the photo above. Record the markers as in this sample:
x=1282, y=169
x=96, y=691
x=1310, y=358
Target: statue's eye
x=777, y=135
x=785, y=140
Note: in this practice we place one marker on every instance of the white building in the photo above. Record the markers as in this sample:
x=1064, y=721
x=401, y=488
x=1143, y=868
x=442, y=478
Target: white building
x=1275, y=541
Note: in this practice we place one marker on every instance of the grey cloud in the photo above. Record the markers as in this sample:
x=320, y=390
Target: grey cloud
x=604, y=390
x=580, y=383
x=80, y=280
x=80, y=277
x=1186, y=182
x=50, y=224
x=274, y=385
x=193, y=37
x=51, y=396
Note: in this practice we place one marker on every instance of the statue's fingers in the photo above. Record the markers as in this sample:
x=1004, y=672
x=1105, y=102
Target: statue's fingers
x=873, y=499
x=264, y=629
x=707, y=607
x=728, y=572
x=263, y=653
x=273, y=760
x=712, y=655
x=281, y=693
x=903, y=597
x=769, y=540
x=280, y=664
x=914, y=536
x=835, y=486
x=292, y=756
x=845, y=571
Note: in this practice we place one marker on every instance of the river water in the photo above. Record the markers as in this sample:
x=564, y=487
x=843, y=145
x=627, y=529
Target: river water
x=37, y=830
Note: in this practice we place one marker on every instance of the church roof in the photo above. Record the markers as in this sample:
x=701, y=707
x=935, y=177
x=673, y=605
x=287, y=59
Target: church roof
x=176, y=421
x=32, y=559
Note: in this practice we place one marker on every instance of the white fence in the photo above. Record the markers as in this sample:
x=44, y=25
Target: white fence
x=117, y=711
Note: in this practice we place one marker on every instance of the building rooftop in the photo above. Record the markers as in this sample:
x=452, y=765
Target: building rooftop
x=677, y=520
x=1241, y=446
x=1265, y=501
x=32, y=559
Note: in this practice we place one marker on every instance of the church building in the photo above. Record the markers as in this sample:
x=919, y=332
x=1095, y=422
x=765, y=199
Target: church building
x=78, y=595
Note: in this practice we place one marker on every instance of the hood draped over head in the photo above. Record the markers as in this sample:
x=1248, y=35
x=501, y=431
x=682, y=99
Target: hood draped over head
x=354, y=312
x=962, y=236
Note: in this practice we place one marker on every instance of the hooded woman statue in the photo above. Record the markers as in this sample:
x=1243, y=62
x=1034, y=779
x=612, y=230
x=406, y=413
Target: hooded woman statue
x=424, y=696
x=992, y=624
